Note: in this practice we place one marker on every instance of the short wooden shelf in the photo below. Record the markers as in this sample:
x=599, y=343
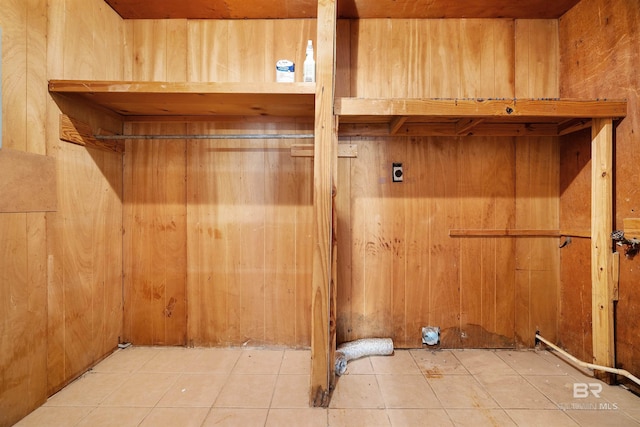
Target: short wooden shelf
x=467, y=117
x=134, y=99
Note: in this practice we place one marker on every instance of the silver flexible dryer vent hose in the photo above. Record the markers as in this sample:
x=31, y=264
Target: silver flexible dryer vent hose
x=360, y=348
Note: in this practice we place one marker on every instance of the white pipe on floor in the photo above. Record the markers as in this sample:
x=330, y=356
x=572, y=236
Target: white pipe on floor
x=360, y=348
x=579, y=362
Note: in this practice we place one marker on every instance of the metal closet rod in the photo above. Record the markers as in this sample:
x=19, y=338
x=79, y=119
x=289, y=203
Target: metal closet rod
x=217, y=136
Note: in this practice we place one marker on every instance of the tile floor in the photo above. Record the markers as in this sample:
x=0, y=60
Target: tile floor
x=162, y=386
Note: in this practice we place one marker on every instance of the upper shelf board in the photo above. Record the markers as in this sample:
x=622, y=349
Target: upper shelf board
x=357, y=116
x=193, y=98
x=349, y=9
x=466, y=117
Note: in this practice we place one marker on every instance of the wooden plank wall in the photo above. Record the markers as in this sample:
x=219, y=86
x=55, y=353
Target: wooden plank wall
x=537, y=186
x=224, y=225
x=398, y=267
x=154, y=215
x=23, y=252
x=600, y=64
x=84, y=236
x=59, y=271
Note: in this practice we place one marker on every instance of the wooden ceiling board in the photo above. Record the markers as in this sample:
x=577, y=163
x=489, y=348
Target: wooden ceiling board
x=294, y=9
x=532, y=9
x=214, y=9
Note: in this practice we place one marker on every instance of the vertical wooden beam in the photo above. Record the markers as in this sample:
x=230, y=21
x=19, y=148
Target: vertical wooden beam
x=324, y=173
x=601, y=253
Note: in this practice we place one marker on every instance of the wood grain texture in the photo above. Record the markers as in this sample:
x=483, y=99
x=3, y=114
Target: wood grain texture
x=423, y=276
x=325, y=172
x=537, y=259
x=84, y=237
x=155, y=214
x=603, y=63
x=21, y=188
x=85, y=308
x=155, y=239
x=631, y=227
x=487, y=276
x=602, y=286
x=575, y=272
x=239, y=192
x=197, y=99
x=77, y=132
x=504, y=109
x=23, y=281
x=537, y=186
x=21, y=328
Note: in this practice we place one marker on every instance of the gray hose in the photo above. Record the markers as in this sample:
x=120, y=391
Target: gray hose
x=360, y=348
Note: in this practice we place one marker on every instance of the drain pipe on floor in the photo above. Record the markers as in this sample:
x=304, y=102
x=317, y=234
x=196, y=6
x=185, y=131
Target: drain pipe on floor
x=579, y=362
x=361, y=348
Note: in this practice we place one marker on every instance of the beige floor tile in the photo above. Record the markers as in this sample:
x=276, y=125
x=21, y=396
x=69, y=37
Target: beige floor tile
x=177, y=386
x=480, y=417
x=563, y=364
x=559, y=389
x=141, y=389
x=172, y=417
x=407, y=391
x=633, y=413
x=170, y=359
x=301, y=417
x=419, y=417
x=400, y=362
x=530, y=363
x=53, y=416
x=601, y=418
x=88, y=390
x=214, y=360
x=435, y=363
x=291, y=391
x=246, y=391
x=127, y=360
x=259, y=362
x=622, y=397
x=461, y=391
x=360, y=366
x=536, y=418
x=114, y=417
x=483, y=362
x=514, y=392
x=358, y=418
x=357, y=391
x=296, y=362
x=223, y=417
x=194, y=390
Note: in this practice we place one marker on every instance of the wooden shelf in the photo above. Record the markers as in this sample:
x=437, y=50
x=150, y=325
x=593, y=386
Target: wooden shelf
x=357, y=116
x=135, y=99
x=467, y=117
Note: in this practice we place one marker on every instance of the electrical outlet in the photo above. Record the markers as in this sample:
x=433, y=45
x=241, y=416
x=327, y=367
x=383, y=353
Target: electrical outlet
x=397, y=173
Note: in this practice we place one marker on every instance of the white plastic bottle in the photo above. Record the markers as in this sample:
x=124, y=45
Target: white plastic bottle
x=309, y=64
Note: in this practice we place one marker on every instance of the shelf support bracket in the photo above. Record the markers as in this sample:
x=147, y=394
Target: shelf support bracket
x=80, y=133
x=396, y=123
x=464, y=126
